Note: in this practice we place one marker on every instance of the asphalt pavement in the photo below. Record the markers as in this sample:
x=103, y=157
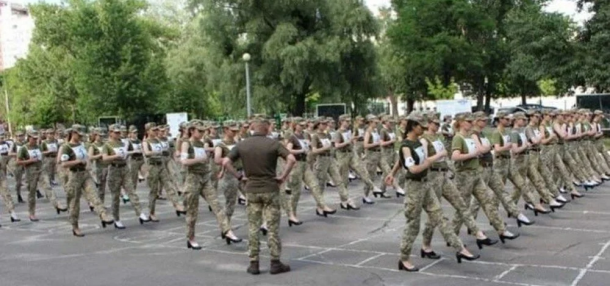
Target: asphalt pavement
x=568, y=247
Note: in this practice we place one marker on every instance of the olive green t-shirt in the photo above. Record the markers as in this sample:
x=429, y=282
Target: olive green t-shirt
x=321, y=139
x=197, y=150
x=28, y=152
x=112, y=148
x=71, y=152
x=502, y=139
x=465, y=145
x=484, y=140
x=50, y=145
x=226, y=146
x=418, y=155
x=436, y=144
x=154, y=146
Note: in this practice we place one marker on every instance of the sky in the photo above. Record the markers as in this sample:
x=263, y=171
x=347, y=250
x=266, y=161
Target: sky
x=567, y=7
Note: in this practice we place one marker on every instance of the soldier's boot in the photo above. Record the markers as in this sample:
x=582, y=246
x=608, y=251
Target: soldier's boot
x=254, y=268
x=278, y=267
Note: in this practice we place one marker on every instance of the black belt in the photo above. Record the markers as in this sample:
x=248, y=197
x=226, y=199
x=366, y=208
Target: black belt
x=77, y=169
x=325, y=154
x=346, y=150
x=4, y=154
x=51, y=156
x=486, y=164
x=503, y=156
x=155, y=163
x=374, y=150
x=137, y=157
x=360, y=140
x=118, y=165
x=439, y=169
x=534, y=150
x=424, y=179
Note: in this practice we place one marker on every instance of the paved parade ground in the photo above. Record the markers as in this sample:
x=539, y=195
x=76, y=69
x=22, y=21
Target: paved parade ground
x=569, y=247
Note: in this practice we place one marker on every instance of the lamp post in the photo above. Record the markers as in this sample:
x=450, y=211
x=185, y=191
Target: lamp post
x=246, y=57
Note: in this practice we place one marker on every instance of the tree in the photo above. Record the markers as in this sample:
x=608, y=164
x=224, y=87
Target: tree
x=595, y=38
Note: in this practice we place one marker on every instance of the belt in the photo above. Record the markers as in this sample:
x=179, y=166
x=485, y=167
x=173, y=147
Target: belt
x=78, y=169
x=360, y=140
x=346, y=150
x=439, y=169
x=118, y=165
x=376, y=149
x=503, y=156
x=534, y=150
x=486, y=164
x=155, y=163
x=4, y=154
x=325, y=154
x=137, y=157
x=424, y=179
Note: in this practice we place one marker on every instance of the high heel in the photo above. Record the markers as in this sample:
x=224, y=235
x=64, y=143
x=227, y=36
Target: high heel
x=14, y=219
x=461, y=256
x=77, y=234
x=210, y=208
x=487, y=241
x=20, y=199
x=60, y=210
x=150, y=218
x=192, y=246
x=241, y=201
x=349, y=207
x=330, y=212
x=34, y=219
x=381, y=195
x=105, y=223
x=574, y=196
x=125, y=200
x=291, y=222
x=91, y=208
x=430, y=255
x=508, y=237
x=178, y=213
x=324, y=214
x=555, y=207
x=522, y=222
x=364, y=201
x=263, y=231
x=39, y=194
x=402, y=267
x=232, y=240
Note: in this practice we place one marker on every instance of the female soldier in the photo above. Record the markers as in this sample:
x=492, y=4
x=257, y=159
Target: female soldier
x=158, y=176
x=30, y=157
x=438, y=176
x=465, y=152
x=388, y=152
x=321, y=147
x=194, y=157
x=74, y=158
x=136, y=159
x=96, y=145
x=372, y=156
x=6, y=195
x=49, y=151
x=115, y=154
x=412, y=158
x=17, y=169
x=228, y=185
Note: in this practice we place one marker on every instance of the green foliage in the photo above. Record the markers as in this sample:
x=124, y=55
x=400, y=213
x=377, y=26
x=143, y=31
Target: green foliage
x=547, y=87
x=437, y=89
x=596, y=39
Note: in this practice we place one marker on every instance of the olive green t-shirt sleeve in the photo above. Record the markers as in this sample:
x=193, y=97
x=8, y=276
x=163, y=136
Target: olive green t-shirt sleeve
x=44, y=147
x=315, y=140
x=23, y=154
x=66, y=153
x=107, y=150
x=457, y=144
x=496, y=138
x=515, y=138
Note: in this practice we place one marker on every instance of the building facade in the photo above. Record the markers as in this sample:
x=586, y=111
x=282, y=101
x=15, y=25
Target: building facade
x=16, y=27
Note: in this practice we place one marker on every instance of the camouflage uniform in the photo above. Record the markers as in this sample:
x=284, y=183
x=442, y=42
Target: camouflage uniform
x=420, y=196
x=49, y=163
x=301, y=173
x=372, y=156
x=100, y=169
x=229, y=185
x=119, y=175
x=469, y=181
x=348, y=159
x=136, y=160
x=324, y=166
x=4, y=193
x=533, y=133
x=16, y=169
x=33, y=172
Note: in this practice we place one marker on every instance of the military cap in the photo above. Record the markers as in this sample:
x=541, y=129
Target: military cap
x=150, y=126
x=359, y=117
x=199, y=125
x=133, y=129
x=371, y=117
x=531, y=112
x=123, y=128
x=33, y=133
x=285, y=119
x=113, y=128
x=501, y=114
x=344, y=117
x=418, y=117
x=260, y=118
x=464, y=116
x=20, y=132
x=598, y=112
x=480, y=115
x=553, y=112
x=519, y=115
x=80, y=129
x=182, y=125
x=230, y=124
x=432, y=117
x=50, y=130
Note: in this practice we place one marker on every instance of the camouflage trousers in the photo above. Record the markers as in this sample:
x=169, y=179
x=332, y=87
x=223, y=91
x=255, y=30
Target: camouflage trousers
x=35, y=177
x=571, y=163
x=492, y=177
x=470, y=183
x=322, y=167
x=119, y=177
x=535, y=178
x=601, y=148
x=101, y=173
x=546, y=167
x=600, y=153
x=200, y=184
x=80, y=182
x=598, y=165
x=134, y=168
x=585, y=159
x=586, y=169
x=374, y=160
x=517, y=173
x=559, y=170
x=18, y=171
x=5, y=194
x=158, y=179
x=347, y=161
x=301, y=173
x=229, y=186
x=420, y=196
x=50, y=167
x=444, y=187
x=388, y=157
x=269, y=205
x=170, y=185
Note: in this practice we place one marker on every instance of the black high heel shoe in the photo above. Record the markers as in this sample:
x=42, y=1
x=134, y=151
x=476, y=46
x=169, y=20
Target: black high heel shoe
x=521, y=222
x=142, y=221
x=349, y=207
x=232, y=240
x=105, y=223
x=241, y=201
x=556, y=207
x=324, y=214
x=91, y=208
x=398, y=195
x=576, y=196
x=60, y=210
x=210, y=208
x=39, y=194
x=15, y=219
x=193, y=247
x=536, y=211
x=430, y=255
x=77, y=234
x=404, y=268
x=263, y=231
x=178, y=213
x=20, y=199
x=367, y=202
x=488, y=242
x=506, y=237
x=34, y=219
x=461, y=256
x=291, y=222
x=381, y=195
x=125, y=200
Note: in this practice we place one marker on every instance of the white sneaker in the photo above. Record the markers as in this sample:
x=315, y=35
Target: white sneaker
x=523, y=218
x=560, y=198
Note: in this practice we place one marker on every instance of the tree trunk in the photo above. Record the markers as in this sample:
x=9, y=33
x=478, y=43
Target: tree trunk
x=393, y=103
x=480, y=97
x=299, y=107
x=410, y=105
x=523, y=98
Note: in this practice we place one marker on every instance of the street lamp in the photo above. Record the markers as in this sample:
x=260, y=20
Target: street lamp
x=246, y=57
